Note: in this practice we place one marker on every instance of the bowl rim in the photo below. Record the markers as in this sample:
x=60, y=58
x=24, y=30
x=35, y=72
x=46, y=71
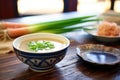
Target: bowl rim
x=51, y=34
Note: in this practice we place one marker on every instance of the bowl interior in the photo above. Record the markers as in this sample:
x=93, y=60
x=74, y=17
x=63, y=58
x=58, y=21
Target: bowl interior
x=56, y=37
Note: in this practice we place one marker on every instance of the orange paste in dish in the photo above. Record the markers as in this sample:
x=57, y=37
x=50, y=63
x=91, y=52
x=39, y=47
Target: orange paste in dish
x=108, y=29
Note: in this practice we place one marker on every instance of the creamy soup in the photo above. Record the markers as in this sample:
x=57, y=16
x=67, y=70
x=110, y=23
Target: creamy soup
x=57, y=45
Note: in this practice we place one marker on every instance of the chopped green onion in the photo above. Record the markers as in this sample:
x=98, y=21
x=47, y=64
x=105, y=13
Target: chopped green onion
x=40, y=45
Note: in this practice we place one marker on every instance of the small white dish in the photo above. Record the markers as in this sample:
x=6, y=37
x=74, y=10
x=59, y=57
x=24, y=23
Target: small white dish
x=107, y=39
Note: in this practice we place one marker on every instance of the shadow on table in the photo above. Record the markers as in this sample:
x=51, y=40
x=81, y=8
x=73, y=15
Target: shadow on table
x=98, y=73
x=31, y=75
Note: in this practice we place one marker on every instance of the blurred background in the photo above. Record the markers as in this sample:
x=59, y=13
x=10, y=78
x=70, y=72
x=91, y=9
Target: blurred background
x=18, y=8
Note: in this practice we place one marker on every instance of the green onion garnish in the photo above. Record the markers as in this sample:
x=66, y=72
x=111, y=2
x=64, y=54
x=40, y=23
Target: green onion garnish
x=40, y=45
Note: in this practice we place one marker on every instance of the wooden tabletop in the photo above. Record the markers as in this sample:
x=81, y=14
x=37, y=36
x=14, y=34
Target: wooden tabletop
x=70, y=68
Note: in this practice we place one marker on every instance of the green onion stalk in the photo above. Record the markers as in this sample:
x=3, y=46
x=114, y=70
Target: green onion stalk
x=58, y=26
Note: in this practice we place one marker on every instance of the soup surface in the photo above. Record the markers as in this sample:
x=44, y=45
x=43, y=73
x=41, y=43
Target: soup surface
x=56, y=45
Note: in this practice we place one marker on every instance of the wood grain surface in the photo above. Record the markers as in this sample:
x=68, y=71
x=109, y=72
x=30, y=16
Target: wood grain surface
x=70, y=68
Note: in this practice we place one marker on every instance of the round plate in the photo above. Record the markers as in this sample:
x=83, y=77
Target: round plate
x=98, y=54
x=109, y=39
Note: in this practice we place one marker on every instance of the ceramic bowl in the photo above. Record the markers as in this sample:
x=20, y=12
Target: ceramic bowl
x=44, y=61
x=111, y=16
x=99, y=54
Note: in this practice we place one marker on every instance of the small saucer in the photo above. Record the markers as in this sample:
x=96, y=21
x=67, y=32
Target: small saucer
x=98, y=54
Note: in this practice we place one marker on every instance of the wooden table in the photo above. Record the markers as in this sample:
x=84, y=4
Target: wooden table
x=70, y=68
